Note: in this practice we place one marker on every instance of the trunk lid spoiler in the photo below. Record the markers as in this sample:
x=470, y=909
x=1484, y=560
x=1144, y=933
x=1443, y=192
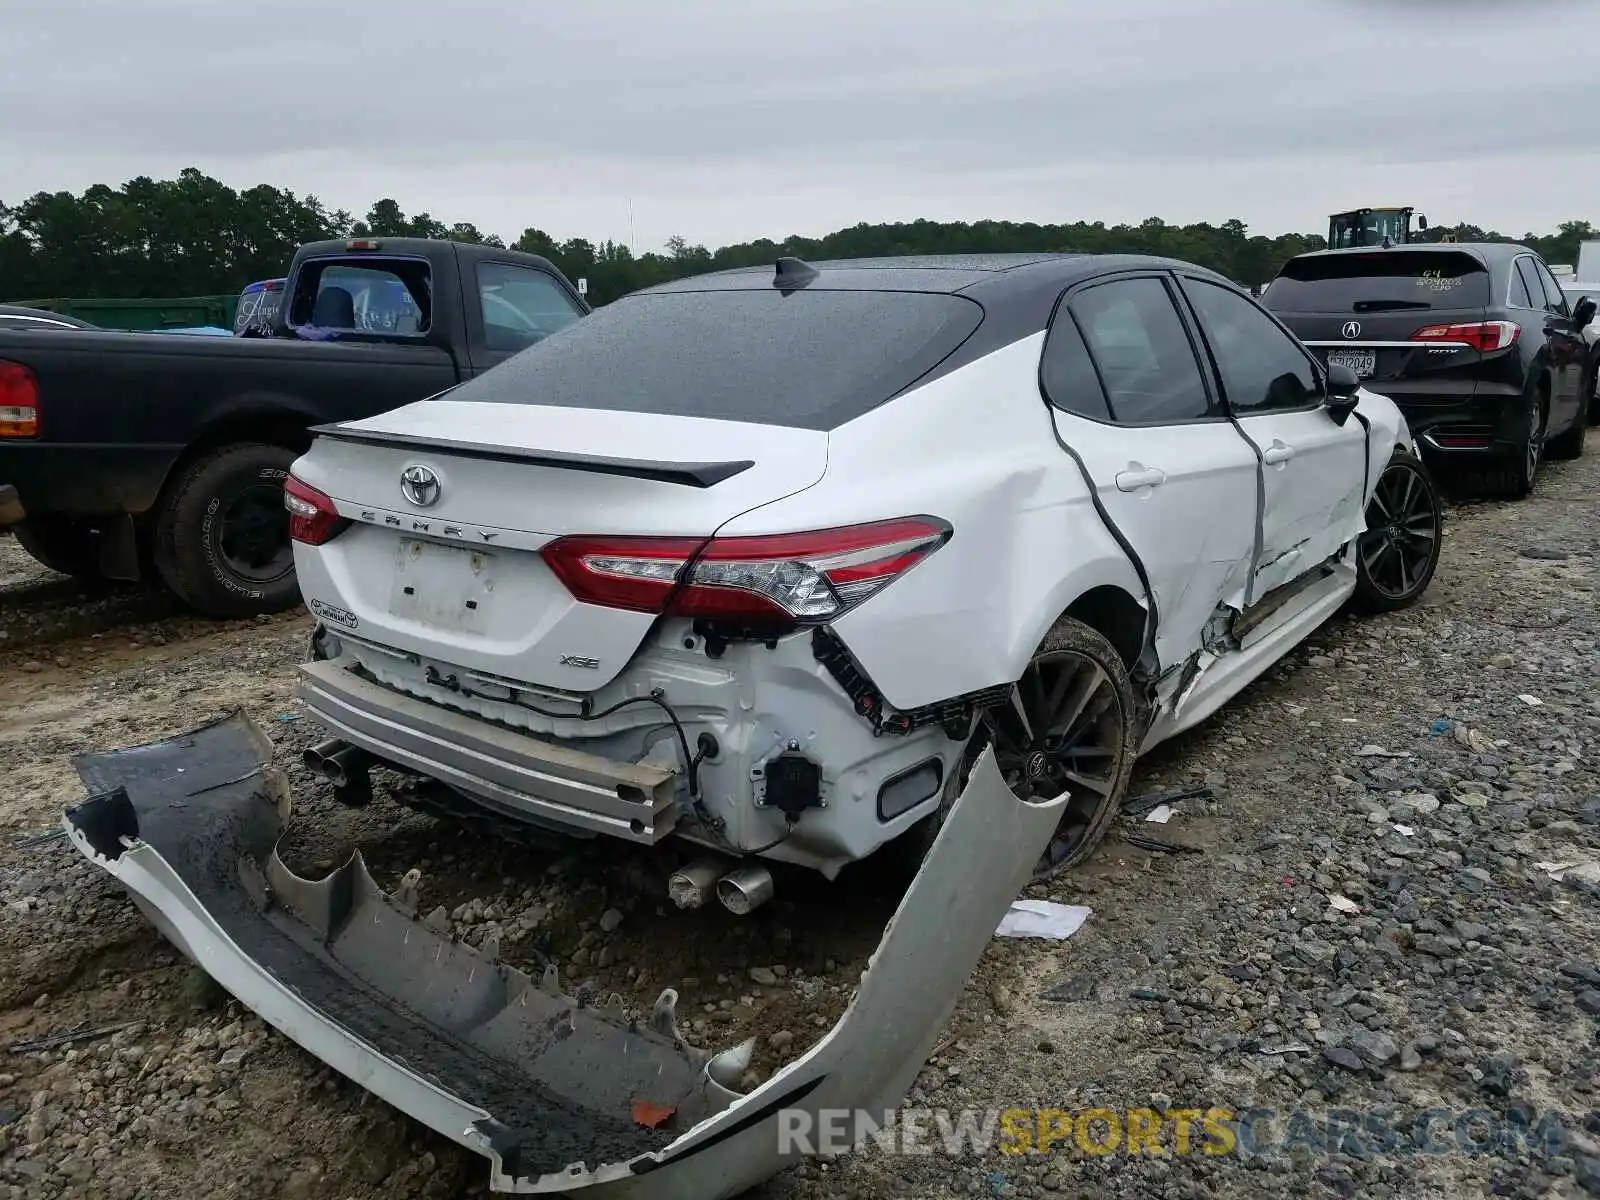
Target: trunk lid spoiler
x=548, y=1087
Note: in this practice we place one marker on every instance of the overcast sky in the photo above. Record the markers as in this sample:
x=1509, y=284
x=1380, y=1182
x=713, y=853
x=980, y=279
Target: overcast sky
x=726, y=120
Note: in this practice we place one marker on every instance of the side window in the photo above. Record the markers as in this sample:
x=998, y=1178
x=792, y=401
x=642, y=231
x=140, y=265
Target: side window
x=1531, y=280
x=1517, y=295
x=1554, y=299
x=1067, y=373
x=521, y=306
x=1138, y=342
x=1262, y=367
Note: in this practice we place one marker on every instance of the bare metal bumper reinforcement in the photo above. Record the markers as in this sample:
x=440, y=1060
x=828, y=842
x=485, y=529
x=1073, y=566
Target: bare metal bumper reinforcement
x=548, y=1087
x=520, y=773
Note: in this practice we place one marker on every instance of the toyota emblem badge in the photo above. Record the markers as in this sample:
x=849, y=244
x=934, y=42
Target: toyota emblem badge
x=420, y=486
x=1351, y=329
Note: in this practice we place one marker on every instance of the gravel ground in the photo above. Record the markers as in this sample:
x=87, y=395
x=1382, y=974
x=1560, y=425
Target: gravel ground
x=1433, y=772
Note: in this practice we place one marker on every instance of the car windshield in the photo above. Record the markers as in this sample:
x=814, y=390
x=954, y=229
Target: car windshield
x=1385, y=279
x=812, y=359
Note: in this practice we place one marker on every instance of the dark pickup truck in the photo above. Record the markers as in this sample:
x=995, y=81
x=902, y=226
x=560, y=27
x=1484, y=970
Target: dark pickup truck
x=132, y=457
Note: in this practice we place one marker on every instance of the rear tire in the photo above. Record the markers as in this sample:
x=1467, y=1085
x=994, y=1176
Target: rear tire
x=222, y=537
x=1570, y=444
x=1094, y=760
x=1515, y=480
x=1591, y=390
x=67, y=545
x=1399, y=552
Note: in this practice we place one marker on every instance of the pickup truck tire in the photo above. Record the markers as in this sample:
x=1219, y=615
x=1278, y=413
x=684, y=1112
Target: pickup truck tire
x=65, y=545
x=222, y=533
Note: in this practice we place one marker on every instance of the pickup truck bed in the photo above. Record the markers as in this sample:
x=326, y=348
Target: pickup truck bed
x=133, y=403
x=138, y=457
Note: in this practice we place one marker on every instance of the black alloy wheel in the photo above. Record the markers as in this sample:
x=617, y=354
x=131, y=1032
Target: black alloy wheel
x=1534, y=450
x=1397, y=555
x=1069, y=727
x=1073, y=725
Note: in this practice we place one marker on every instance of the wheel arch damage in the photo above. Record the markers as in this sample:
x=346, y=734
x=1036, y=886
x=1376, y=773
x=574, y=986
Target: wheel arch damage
x=542, y=1084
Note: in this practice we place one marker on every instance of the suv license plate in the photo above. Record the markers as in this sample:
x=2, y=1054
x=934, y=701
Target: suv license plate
x=1362, y=362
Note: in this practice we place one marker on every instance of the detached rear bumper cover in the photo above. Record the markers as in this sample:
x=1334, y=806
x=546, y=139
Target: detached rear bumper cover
x=542, y=1084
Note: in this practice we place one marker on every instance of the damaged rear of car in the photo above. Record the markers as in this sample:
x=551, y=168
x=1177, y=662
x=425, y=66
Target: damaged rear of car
x=674, y=572
x=758, y=567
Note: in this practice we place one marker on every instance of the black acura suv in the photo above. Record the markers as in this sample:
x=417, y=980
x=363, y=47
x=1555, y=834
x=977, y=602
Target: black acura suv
x=1475, y=342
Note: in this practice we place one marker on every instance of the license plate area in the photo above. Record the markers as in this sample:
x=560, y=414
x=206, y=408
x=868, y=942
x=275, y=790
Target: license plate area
x=444, y=587
x=1362, y=362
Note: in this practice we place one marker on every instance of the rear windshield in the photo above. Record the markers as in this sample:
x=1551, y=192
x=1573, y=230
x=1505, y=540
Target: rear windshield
x=1382, y=280
x=810, y=360
x=258, y=304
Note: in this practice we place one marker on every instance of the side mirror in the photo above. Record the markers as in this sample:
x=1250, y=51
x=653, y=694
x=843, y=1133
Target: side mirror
x=1422, y=221
x=1582, y=313
x=1344, y=392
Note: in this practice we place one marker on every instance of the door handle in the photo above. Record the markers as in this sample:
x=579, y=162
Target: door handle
x=1277, y=453
x=1136, y=477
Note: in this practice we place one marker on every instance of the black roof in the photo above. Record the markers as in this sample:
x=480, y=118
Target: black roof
x=970, y=273
x=1018, y=292
x=428, y=248
x=933, y=314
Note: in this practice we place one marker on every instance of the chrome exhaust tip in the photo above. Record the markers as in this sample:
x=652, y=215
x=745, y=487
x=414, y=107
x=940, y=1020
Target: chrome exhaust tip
x=316, y=757
x=745, y=889
x=347, y=766
x=692, y=885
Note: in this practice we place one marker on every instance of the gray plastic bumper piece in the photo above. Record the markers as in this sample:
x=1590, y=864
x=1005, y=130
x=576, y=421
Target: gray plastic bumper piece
x=540, y=1083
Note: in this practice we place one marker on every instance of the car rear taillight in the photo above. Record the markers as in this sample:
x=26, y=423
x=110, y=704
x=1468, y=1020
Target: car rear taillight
x=312, y=517
x=791, y=577
x=1482, y=336
x=19, y=401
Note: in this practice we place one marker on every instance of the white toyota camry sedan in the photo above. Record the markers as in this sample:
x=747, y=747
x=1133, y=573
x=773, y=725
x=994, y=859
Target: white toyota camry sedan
x=760, y=561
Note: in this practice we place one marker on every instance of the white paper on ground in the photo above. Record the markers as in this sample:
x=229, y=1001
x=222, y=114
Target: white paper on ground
x=1042, y=919
x=1160, y=814
x=1583, y=869
x=1370, y=751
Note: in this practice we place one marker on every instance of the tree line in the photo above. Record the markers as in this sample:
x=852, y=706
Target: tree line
x=195, y=235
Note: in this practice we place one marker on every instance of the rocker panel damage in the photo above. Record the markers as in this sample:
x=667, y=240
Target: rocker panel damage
x=541, y=1083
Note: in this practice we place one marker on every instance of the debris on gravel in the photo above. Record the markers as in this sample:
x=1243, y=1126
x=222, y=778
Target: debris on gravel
x=1380, y=977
